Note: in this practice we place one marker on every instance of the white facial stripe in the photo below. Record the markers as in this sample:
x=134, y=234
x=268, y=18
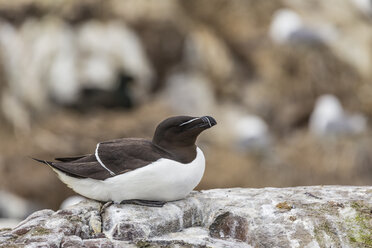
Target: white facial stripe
x=101, y=163
x=187, y=122
x=206, y=118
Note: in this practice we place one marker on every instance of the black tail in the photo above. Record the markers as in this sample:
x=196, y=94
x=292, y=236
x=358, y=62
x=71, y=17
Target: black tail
x=71, y=159
x=43, y=161
x=56, y=166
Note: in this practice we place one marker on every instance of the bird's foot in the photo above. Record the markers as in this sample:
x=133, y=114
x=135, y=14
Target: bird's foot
x=104, y=206
x=146, y=203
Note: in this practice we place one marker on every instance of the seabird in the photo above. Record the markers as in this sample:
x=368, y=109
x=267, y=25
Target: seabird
x=140, y=171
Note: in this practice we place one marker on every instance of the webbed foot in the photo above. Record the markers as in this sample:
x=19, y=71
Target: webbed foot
x=104, y=206
x=146, y=203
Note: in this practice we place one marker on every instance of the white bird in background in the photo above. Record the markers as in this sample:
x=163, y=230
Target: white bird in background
x=247, y=132
x=283, y=24
x=252, y=132
x=364, y=6
x=288, y=26
x=329, y=118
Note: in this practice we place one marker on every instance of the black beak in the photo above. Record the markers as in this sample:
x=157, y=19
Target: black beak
x=202, y=122
x=208, y=120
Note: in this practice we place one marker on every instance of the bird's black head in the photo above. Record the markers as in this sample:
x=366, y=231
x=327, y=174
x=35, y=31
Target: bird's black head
x=181, y=130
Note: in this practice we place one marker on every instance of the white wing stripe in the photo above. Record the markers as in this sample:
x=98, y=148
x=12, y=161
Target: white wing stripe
x=101, y=163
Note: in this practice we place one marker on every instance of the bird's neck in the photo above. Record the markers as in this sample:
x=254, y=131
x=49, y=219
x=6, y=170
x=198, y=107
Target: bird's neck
x=183, y=154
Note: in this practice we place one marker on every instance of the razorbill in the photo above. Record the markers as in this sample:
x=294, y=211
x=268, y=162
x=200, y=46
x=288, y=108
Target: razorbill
x=140, y=171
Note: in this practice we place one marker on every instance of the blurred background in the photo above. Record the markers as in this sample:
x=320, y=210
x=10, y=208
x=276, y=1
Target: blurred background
x=289, y=83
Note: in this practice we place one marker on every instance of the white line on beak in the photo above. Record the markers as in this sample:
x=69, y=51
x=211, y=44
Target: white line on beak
x=206, y=118
x=187, y=122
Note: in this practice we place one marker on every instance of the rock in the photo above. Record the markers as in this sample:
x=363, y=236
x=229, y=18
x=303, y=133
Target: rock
x=135, y=11
x=15, y=112
x=58, y=60
x=314, y=216
x=190, y=94
x=329, y=118
x=164, y=55
x=32, y=48
x=111, y=48
x=239, y=23
x=12, y=206
x=13, y=209
x=70, y=201
x=62, y=83
x=205, y=51
x=9, y=223
x=283, y=75
x=342, y=19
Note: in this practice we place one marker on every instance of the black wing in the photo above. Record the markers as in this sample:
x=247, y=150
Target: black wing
x=82, y=167
x=118, y=156
x=124, y=155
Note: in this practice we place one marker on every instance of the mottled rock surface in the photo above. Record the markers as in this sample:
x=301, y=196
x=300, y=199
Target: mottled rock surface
x=315, y=216
x=65, y=65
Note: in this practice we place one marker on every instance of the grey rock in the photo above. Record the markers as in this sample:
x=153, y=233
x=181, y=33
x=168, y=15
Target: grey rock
x=314, y=216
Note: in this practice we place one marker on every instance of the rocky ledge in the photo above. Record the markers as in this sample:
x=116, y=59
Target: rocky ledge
x=316, y=216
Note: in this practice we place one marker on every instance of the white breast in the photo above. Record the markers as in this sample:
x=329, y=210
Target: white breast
x=162, y=180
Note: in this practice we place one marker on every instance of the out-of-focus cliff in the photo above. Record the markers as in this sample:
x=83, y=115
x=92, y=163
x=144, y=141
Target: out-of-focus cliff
x=73, y=73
